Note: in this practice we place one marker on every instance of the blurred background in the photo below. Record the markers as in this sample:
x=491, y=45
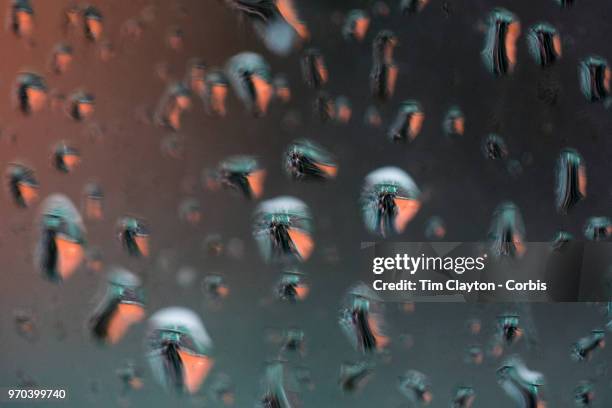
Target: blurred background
x=440, y=65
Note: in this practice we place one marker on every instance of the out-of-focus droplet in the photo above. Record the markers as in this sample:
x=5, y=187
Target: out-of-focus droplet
x=283, y=229
x=72, y=18
x=292, y=286
x=383, y=46
x=132, y=29
x=389, y=200
x=474, y=355
x=407, y=306
x=235, y=248
x=609, y=315
x=598, y=229
x=324, y=108
x=381, y=9
x=213, y=244
x=196, y=76
x=507, y=232
x=499, y=53
x=121, y=307
x=190, y=211
x=584, y=348
x=306, y=160
x=215, y=93
x=356, y=25
x=464, y=397
x=560, y=240
x=173, y=146
x=544, y=44
x=175, y=101
x=30, y=93
x=412, y=6
x=179, y=350
x=95, y=260
x=93, y=201
x=435, y=229
x=303, y=376
x=343, y=110
x=415, y=386
x=186, y=277
x=372, y=117
x=60, y=247
x=520, y=383
x=61, y=58
x=57, y=100
x=21, y=18
x=251, y=79
x=354, y=376
x=291, y=120
x=595, y=75
x=215, y=287
x=93, y=23
x=242, y=174
x=222, y=390
x=361, y=320
x=80, y=106
x=280, y=388
x=514, y=168
x=293, y=342
x=548, y=92
x=494, y=147
x=96, y=132
x=175, y=38
x=22, y=184
x=130, y=376
x=508, y=329
x=282, y=91
x=454, y=122
x=474, y=325
x=66, y=158
x=134, y=236
x=314, y=69
x=105, y=50
x=584, y=394
x=383, y=75
x=25, y=325
x=408, y=122
x=277, y=23
x=571, y=183
x=163, y=71
x=25, y=380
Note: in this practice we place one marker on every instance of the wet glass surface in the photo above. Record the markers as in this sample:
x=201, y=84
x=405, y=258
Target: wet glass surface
x=104, y=96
